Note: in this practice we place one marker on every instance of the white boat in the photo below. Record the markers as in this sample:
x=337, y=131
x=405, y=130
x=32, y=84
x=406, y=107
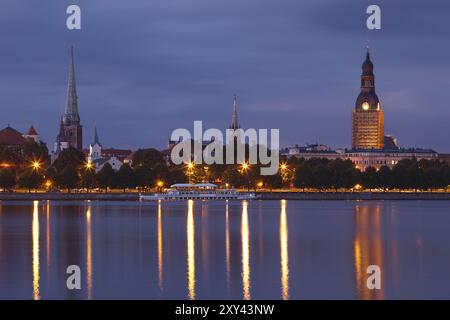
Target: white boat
x=200, y=191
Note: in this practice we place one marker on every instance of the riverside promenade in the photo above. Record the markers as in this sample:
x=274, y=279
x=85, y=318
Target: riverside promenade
x=133, y=196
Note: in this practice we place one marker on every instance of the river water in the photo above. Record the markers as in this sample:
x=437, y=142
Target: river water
x=225, y=250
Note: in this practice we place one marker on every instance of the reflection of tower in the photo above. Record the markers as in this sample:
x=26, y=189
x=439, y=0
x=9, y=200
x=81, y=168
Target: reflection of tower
x=368, y=248
x=284, y=254
x=367, y=117
x=71, y=132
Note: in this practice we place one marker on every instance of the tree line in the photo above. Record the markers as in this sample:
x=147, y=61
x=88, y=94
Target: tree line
x=30, y=168
x=337, y=174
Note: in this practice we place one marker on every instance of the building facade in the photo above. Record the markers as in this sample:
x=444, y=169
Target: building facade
x=367, y=116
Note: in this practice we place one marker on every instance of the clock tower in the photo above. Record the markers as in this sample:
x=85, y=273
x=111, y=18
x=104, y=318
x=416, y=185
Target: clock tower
x=367, y=116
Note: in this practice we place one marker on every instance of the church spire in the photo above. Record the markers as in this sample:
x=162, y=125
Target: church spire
x=96, y=139
x=234, y=118
x=71, y=116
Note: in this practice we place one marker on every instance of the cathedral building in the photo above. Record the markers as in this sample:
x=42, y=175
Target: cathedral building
x=367, y=116
x=70, y=130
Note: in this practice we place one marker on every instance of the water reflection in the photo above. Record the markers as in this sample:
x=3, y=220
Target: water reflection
x=245, y=252
x=227, y=246
x=368, y=249
x=36, y=262
x=191, y=250
x=284, y=252
x=47, y=236
x=89, y=251
x=160, y=249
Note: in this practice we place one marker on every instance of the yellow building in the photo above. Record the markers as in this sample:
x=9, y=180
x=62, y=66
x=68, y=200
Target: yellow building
x=367, y=117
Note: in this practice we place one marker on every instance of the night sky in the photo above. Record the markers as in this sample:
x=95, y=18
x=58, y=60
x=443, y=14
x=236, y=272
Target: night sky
x=145, y=67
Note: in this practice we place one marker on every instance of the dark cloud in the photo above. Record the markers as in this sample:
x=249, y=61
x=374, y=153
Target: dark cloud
x=146, y=67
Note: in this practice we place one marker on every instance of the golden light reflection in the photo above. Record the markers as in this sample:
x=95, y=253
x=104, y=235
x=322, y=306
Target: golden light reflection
x=227, y=246
x=368, y=249
x=89, y=252
x=47, y=236
x=160, y=249
x=36, y=262
x=191, y=250
x=245, y=253
x=284, y=252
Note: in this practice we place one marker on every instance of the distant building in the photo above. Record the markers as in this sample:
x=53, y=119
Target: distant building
x=70, y=130
x=378, y=158
x=11, y=138
x=390, y=143
x=445, y=157
x=308, y=149
x=100, y=156
x=367, y=116
x=32, y=135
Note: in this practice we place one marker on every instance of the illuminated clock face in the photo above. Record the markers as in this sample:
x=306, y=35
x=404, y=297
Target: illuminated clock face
x=365, y=106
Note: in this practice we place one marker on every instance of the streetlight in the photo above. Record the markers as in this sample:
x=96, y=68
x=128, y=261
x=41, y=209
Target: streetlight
x=36, y=165
x=48, y=184
x=89, y=165
x=245, y=166
x=190, y=167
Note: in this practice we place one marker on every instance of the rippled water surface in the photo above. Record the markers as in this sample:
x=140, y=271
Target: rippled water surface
x=220, y=250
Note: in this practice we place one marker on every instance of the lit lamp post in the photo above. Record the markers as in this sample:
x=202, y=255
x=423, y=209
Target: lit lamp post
x=244, y=170
x=284, y=172
x=190, y=168
x=160, y=184
x=88, y=166
x=36, y=165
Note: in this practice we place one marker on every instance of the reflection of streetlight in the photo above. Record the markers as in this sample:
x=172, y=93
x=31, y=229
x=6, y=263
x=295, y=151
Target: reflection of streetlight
x=48, y=184
x=226, y=185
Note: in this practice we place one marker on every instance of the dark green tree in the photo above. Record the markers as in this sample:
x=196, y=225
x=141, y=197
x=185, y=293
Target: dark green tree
x=68, y=178
x=125, y=177
x=106, y=177
x=7, y=179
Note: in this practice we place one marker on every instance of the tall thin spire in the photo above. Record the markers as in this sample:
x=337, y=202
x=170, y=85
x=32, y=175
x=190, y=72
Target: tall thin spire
x=71, y=115
x=96, y=139
x=234, y=118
